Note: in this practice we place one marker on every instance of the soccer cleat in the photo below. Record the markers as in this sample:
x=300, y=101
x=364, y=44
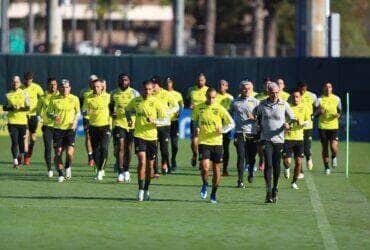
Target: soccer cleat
x=103, y=172
x=164, y=169
x=19, y=158
x=327, y=171
x=255, y=168
x=261, y=166
x=68, y=173
x=274, y=196
x=61, y=179
x=140, y=195
x=294, y=186
x=250, y=178
x=240, y=184
x=225, y=173
x=268, y=198
x=91, y=163
x=203, y=192
x=15, y=163
x=27, y=160
x=120, y=178
x=246, y=167
x=213, y=199
x=194, y=160
x=334, y=162
x=309, y=164
x=127, y=176
x=99, y=176
x=301, y=176
x=173, y=166
x=287, y=173
x=146, y=195
x=50, y=173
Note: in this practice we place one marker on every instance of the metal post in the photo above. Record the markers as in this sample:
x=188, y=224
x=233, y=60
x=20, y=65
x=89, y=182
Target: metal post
x=179, y=15
x=4, y=26
x=55, y=28
x=74, y=25
x=31, y=21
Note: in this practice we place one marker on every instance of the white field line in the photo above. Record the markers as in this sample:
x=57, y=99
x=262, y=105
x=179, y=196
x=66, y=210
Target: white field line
x=322, y=221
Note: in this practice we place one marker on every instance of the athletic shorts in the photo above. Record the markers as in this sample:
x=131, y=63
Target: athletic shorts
x=150, y=147
x=193, y=127
x=210, y=152
x=307, y=134
x=64, y=138
x=122, y=133
x=290, y=147
x=174, y=128
x=85, y=123
x=327, y=135
x=32, y=122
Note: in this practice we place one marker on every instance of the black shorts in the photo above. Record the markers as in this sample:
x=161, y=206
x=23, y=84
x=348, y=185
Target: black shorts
x=150, y=147
x=307, y=134
x=64, y=138
x=85, y=123
x=327, y=135
x=174, y=132
x=213, y=153
x=32, y=122
x=122, y=133
x=290, y=147
x=193, y=127
x=17, y=129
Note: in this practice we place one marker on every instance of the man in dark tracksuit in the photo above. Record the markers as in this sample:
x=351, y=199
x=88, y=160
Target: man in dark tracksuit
x=271, y=115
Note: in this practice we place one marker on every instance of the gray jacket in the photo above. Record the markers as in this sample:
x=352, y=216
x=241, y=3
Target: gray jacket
x=271, y=117
x=239, y=110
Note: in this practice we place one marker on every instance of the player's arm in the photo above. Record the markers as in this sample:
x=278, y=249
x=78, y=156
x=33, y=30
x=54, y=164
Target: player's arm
x=77, y=111
x=227, y=121
x=162, y=117
x=181, y=103
x=7, y=106
x=307, y=118
x=112, y=106
x=195, y=116
x=173, y=104
x=289, y=117
x=85, y=108
x=188, y=101
x=129, y=111
x=339, y=107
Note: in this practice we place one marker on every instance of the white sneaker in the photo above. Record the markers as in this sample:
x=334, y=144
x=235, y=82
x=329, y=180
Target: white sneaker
x=50, y=173
x=127, y=176
x=300, y=175
x=334, y=162
x=61, y=179
x=327, y=171
x=287, y=173
x=68, y=173
x=309, y=164
x=255, y=168
x=120, y=178
x=146, y=195
x=99, y=177
x=140, y=195
x=15, y=162
x=294, y=186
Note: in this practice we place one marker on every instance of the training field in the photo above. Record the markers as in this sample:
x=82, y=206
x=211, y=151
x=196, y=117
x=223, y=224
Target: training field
x=327, y=212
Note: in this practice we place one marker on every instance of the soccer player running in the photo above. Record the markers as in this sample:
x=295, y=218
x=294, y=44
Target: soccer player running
x=311, y=102
x=34, y=92
x=283, y=95
x=294, y=137
x=63, y=110
x=195, y=96
x=149, y=113
x=96, y=107
x=174, y=130
x=271, y=116
x=245, y=137
x=123, y=133
x=83, y=95
x=330, y=108
x=212, y=121
x=17, y=104
x=47, y=123
x=171, y=107
x=225, y=99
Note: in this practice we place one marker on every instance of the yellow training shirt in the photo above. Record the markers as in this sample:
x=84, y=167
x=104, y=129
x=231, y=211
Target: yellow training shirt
x=166, y=100
x=67, y=108
x=225, y=100
x=284, y=95
x=34, y=92
x=42, y=107
x=121, y=98
x=96, y=107
x=197, y=95
x=17, y=99
x=331, y=105
x=180, y=101
x=301, y=114
x=210, y=117
x=310, y=100
x=144, y=109
x=261, y=96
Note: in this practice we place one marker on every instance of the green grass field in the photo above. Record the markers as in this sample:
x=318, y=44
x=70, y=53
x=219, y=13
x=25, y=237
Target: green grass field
x=327, y=212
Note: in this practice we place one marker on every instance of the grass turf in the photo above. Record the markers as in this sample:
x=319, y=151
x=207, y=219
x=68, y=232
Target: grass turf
x=37, y=212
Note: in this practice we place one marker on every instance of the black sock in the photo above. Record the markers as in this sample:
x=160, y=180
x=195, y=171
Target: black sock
x=141, y=184
x=333, y=156
x=147, y=183
x=60, y=172
x=205, y=182
x=120, y=171
x=90, y=156
x=308, y=157
x=326, y=164
x=214, y=190
x=125, y=167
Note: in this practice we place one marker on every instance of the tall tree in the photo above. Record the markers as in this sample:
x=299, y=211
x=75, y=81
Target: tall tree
x=258, y=30
x=211, y=18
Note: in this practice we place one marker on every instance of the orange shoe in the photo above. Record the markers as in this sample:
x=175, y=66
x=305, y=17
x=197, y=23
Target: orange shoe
x=261, y=166
x=164, y=168
x=27, y=160
x=91, y=163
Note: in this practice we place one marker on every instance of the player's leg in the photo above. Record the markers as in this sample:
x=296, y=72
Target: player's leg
x=14, y=137
x=58, y=150
x=95, y=137
x=226, y=154
x=151, y=154
x=104, y=145
x=140, y=150
x=128, y=141
x=22, y=130
x=216, y=158
x=251, y=150
x=174, y=135
x=307, y=139
x=267, y=149
x=298, y=155
x=204, y=152
x=47, y=136
x=32, y=127
x=118, y=143
x=69, y=143
x=88, y=145
x=325, y=149
x=334, y=148
x=194, y=143
x=239, y=144
x=164, y=138
x=287, y=157
x=276, y=158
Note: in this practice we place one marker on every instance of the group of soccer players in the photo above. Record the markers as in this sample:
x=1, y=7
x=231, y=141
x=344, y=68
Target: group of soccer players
x=272, y=124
